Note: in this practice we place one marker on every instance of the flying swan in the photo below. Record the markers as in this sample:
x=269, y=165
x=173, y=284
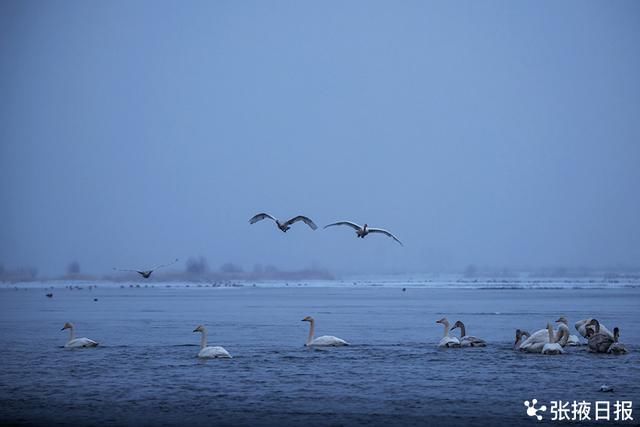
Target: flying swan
x=211, y=352
x=77, y=342
x=364, y=230
x=447, y=341
x=284, y=226
x=466, y=340
x=147, y=273
x=323, y=341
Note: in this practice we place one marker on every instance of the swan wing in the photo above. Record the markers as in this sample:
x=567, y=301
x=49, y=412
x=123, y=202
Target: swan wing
x=449, y=342
x=552, y=348
x=164, y=265
x=348, y=223
x=471, y=341
x=581, y=327
x=260, y=217
x=81, y=343
x=380, y=230
x=537, y=339
x=214, y=352
x=328, y=341
x=303, y=219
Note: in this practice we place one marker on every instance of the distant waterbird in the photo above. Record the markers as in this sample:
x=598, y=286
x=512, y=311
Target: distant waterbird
x=447, y=341
x=49, y=295
x=77, y=342
x=283, y=226
x=147, y=273
x=363, y=231
x=467, y=340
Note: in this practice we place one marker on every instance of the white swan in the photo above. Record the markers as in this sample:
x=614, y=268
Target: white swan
x=467, y=340
x=283, y=226
x=572, y=340
x=553, y=346
x=77, y=342
x=520, y=338
x=582, y=327
x=211, y=352
x=364, y=230
x=323, y=341
x=535, y=341
x=447, y=341
x=617, y=347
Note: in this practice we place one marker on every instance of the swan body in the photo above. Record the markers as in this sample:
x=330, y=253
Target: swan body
x=363, y=231
x=210, y=352
x=599, y=342
x=468, y=340
x=283, y=226
x=554, y=347
x=447, y=341
x=582, y=327
x=535, y=342
x=77, y=342
x=323, y=341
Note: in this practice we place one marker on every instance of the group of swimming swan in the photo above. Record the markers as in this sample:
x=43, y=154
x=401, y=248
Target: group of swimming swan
x=361, y=230
x=215, y=352
x=546, y=341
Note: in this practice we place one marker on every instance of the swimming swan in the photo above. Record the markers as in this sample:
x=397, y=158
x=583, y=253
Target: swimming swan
x=599, y=342
x=213, y=352
x=553, y=346
x=283, y=226
x=520, y=338
x=364, y=230
x=447, y=341
x=323, y=341
x=536, y=341
x=583, y=325
x=572, y=340
x=617, y=347
x=77, y=342
x=466, y=340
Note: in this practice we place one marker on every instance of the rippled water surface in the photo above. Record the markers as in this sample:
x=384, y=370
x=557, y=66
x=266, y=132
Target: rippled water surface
x=145, y=371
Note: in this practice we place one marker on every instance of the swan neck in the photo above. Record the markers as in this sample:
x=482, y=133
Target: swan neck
x=311, y=331
x=72, y=334
x=562, y=336
x=446, y=329
x=203, y=339
x=551, y=337
x=463, y=331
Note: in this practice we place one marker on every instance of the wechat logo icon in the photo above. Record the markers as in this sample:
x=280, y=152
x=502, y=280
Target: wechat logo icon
x=532, y=411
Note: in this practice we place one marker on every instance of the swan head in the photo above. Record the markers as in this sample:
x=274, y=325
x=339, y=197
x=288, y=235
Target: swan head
x=67, y=326
x=458, y=324
x=308, y=319
x=519, y=335
x=443, y=321
x=199, y=328
x=562, y=319
x=616, y=333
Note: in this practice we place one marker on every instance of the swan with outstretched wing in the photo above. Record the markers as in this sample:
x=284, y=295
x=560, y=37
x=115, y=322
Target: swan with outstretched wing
x=362, y=231
x=283, y=226
x=147, y=273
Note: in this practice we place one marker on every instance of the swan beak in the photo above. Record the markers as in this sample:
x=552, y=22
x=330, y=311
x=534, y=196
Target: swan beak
x=195, y=330
x=62, y=329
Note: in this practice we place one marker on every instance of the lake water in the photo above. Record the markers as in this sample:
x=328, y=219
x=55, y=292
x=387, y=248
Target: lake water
x=145, y=371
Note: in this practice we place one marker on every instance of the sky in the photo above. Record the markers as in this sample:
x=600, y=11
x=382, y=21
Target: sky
x=495, y=133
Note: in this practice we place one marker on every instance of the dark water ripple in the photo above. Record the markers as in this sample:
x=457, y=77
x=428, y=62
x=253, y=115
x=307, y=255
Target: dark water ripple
x=145, y=371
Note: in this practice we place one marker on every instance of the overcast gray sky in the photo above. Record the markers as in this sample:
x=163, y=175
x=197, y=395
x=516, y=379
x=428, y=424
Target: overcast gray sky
x=494, y=133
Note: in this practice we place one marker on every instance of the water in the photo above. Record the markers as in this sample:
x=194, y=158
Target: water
x=145, y=371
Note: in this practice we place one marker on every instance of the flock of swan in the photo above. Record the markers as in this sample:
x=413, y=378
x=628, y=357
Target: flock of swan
x=544, y=341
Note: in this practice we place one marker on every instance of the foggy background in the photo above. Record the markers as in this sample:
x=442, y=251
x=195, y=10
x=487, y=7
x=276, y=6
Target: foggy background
x=490, y=133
